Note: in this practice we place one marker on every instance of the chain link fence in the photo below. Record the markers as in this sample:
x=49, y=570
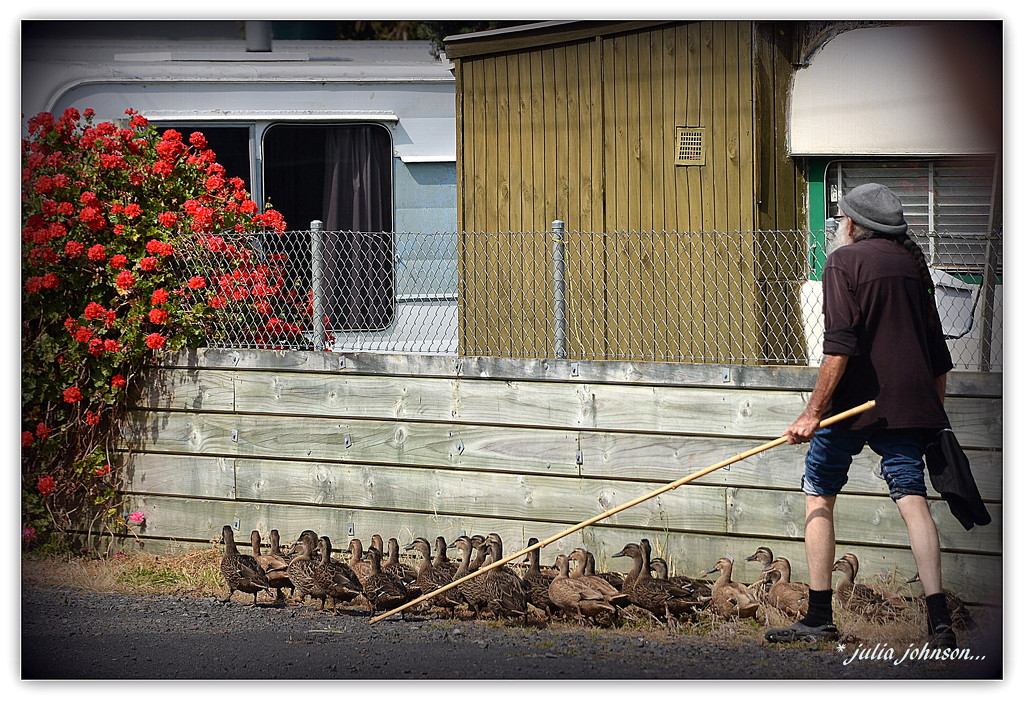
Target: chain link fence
x=698, y=297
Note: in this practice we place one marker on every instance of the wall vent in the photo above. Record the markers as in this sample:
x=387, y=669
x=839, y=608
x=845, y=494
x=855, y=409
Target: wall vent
x=689, y=146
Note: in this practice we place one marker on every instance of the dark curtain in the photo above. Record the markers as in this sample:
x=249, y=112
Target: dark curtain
x=359, y=251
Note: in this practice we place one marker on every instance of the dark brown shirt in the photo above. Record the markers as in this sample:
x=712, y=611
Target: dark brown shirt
x=876, y=312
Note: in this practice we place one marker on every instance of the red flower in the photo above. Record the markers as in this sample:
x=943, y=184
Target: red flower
x=159, y=296
x=94, y=310
x=111, y=345
x=197, y=282
x=42, y=431
x=147, y=263
x=197, y=139
x=46, y=485
x=74, y=249
x=27, y=439
x=118, y=382
x=157, y=315
x=34, y=284
x=92, y=418
x=133, y=210
x=50, y=281
x=159, y=248
x=125, y=280
x=104, y=470
x=97, y=252
x=72, y=394
x=82, y=335
x=167, y=219
x=118, y=261
x=217, y=302
x=155, y=341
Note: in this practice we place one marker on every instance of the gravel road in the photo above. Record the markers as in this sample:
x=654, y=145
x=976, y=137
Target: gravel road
x=70, y=633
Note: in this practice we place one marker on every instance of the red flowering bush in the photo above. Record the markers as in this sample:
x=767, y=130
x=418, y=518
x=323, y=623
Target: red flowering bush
x=105, y=210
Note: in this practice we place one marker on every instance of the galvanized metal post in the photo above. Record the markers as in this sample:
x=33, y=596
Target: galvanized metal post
x=317, y=252
x=558, y=287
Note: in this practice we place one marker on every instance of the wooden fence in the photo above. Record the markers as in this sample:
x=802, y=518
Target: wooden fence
x=405, y=445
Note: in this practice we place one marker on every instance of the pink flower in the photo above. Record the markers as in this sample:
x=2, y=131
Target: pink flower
x=137, y=517
x=27, y=534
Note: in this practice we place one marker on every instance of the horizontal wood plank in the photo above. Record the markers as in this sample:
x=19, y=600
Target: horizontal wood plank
x=168, y=474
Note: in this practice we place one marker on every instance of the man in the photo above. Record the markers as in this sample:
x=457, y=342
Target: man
x=883, y=341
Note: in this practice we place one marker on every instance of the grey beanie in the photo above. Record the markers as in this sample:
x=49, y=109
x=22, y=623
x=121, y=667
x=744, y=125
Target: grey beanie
x=875, y=207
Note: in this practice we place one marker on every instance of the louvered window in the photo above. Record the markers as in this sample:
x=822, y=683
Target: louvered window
x=947, y=203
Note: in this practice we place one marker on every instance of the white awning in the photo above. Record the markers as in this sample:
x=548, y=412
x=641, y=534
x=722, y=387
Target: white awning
x=886, y=91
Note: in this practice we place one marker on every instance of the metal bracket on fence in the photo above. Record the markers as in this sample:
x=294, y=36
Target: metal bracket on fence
x=317, y=253
x=558, y=286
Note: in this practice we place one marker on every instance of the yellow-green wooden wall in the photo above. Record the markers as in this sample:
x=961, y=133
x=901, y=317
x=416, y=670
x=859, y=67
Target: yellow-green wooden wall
x=584, y=132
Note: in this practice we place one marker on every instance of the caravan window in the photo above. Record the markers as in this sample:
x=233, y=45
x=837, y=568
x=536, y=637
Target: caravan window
x=948, y=197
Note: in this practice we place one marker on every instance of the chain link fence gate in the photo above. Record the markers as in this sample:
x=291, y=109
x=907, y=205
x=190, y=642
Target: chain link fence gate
x=700, y=297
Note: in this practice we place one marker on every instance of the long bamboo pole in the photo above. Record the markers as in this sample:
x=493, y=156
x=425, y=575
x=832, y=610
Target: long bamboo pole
x=614, y=510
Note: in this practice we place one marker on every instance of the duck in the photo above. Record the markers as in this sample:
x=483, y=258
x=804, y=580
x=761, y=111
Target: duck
x=359, y=565
x=383, y=591
x=429, y=577
x=875, y=603
x=335, y=580
x=612, y=596
x=789, y=597
x=441, y=561
x=301, y=572
x=613, y=579
x=506, y=591
x=962, y=618
x=729, y=598
x=700, y=588
x=391, y=564
x=538, y=582
x=472, y=591
x=576, y=596
x=767, y=577
x=659, y=597
x=241, y=572
x=273, y=565
x=275, y=546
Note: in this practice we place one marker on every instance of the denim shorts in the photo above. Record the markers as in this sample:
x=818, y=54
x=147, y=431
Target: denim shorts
x=832, y=450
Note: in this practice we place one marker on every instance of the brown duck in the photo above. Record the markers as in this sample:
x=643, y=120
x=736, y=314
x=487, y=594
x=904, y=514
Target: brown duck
x=611, y=595
x=472, y=591
x=661, y=598
x=382, y=591
x=766, y=577
x=429, y=577
x=241, y=571
x=335, y=580
x=729, y=598
x=506, y=591
x=274, y=565
x=789, y=597
x=875, y=603
x=576, y=596
x=537, y=582
x=700, y=588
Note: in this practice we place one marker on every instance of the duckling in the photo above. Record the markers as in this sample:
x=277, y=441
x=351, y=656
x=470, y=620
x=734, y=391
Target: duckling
x=789, y=597
x=700, y=588
x=382, y=591
x=574, y=595
x=241, y=572
x=767, y=577
x=430, y=578
x=537, y=582
x=659, y=597
x=731, y=599
x=335, y=580
x=273, y=565
x=506, y=591
x=611, y=595
x=958, y=612
x=869, y=601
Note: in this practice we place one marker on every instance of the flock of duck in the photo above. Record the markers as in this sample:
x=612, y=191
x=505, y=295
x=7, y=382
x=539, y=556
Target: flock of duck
x=379, y=579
